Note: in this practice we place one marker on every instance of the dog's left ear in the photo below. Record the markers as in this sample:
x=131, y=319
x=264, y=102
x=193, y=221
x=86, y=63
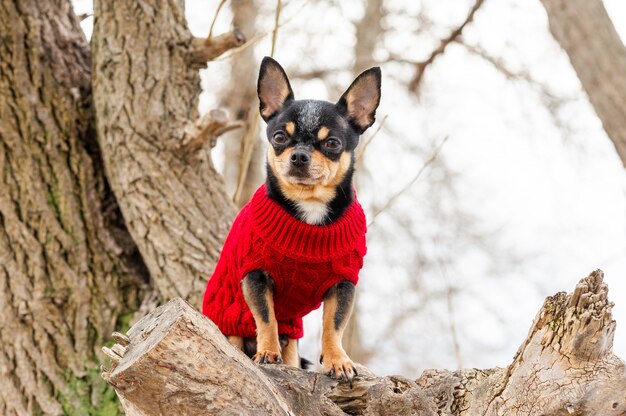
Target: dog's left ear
x=358, y=104
x=273, y=88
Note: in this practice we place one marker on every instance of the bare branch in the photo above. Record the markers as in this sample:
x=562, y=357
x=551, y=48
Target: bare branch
x=206, y=129
x=204, y=50
x=498, y=63
x=371, y=138
x=261, y=35
x=217, y=12
x=246, y=155
x=443, y=44
x=314, y=73
x=550, y=100
x=251, y=134
x=279, y=6
x=395, y=196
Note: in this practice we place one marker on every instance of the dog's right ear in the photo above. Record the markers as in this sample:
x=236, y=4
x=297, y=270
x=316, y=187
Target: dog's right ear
x=273, y=88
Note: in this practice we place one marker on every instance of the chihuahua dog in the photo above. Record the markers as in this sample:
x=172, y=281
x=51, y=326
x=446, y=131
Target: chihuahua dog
x=300, y=241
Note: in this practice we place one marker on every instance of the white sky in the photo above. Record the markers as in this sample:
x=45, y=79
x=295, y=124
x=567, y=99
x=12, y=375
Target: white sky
x=553, y=197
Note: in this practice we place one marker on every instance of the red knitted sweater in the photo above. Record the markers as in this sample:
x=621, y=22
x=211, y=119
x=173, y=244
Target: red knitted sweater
x=303, y=260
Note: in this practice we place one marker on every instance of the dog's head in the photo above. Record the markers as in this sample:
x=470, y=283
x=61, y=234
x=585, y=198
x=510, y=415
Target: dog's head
x=312, y=142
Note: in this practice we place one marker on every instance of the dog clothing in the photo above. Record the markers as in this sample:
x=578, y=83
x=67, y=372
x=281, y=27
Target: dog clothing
x=304, y=261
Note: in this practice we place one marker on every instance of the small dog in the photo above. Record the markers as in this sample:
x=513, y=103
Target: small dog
x=300, y=240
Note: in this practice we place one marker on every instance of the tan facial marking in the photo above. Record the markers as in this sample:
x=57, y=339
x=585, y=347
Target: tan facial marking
x=342, y=167
x=290, y=128
x=329, y=174
x=322, y=133
x=280, y=163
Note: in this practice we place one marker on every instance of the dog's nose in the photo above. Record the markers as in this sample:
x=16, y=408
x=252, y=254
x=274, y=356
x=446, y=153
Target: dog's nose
x=300, y=159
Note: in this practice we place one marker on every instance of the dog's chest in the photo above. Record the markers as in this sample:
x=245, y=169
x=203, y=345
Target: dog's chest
x=312, y=212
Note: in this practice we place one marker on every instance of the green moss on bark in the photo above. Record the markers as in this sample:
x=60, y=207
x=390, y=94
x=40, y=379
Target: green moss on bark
x=90, y=396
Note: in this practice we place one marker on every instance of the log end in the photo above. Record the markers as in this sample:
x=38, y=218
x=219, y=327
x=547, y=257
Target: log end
x=579, y=325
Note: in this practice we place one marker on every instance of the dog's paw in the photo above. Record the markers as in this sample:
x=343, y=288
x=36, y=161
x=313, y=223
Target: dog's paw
x=267, y=357
x=339, y=366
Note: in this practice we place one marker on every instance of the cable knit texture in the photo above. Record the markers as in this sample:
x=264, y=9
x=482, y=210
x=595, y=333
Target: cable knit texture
x=303, y=260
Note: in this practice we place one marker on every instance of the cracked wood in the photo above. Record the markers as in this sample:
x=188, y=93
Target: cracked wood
x=564, y=367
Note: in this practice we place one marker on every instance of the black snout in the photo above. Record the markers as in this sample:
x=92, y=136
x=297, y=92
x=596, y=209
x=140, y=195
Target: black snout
x=300, y=158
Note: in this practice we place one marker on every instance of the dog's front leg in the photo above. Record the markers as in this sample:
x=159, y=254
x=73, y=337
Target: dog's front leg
x=257, y=291
x=338, y=303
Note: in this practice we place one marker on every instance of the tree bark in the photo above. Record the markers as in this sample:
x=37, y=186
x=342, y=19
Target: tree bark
x=175, y=361
x=146, y=87
x=585, y=31
x=69, y=271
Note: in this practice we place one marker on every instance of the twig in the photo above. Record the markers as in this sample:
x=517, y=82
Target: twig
x=248, y=144
x=449, y=291
x=552, y=102
x=246, y=155
x=217, y=12
x=279, y=6
x=371, y=138
x=498, y=63
x=314, y=73
x=256, y=38
x=395, y=196
x=443, y=44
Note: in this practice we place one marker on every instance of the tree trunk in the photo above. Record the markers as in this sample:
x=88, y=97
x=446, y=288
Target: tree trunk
x=146, y=87
x=175, y=361
x=69, y=271
x=585, y=31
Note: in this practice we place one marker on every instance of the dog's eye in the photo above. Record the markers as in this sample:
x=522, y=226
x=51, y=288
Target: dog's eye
x=332, y=144
x=279, y=138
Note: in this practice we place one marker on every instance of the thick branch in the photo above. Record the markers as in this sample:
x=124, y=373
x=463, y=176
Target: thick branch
x=585, y=31
x=204, y=50
x=205, y=130
x=144, y=92
x=179, y=363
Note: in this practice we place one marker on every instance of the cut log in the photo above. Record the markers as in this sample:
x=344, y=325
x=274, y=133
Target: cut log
x=178, y=362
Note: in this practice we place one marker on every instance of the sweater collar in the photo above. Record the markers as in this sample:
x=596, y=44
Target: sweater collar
x=290, y=235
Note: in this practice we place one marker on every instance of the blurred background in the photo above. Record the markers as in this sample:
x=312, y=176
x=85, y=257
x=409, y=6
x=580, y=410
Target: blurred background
x=488, y=180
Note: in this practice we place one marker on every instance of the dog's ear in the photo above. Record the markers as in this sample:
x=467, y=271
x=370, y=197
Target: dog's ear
x=273, y=88
x=358, y=104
